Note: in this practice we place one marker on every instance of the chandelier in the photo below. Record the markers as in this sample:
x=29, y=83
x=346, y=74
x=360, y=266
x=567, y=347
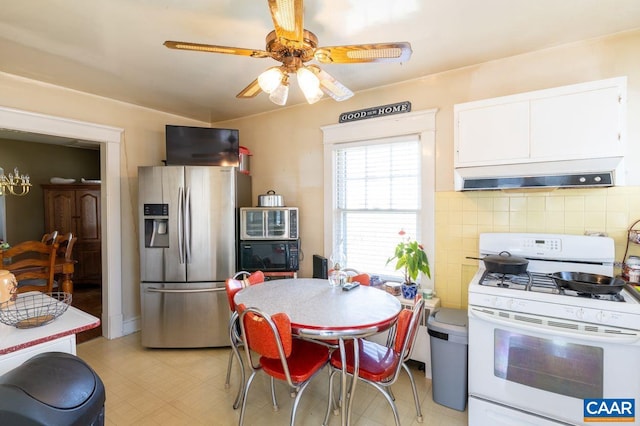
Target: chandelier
x=14, y=183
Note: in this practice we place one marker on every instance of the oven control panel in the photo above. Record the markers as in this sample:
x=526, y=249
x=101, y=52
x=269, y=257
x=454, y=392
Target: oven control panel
x=538, y=305
x=556, y=247
x=545, y=245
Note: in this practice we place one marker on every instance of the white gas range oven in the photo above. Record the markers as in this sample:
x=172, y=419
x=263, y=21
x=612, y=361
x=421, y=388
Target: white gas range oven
x=538, y=350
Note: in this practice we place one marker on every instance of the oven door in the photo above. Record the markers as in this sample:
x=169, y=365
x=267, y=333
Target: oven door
x=544, y=368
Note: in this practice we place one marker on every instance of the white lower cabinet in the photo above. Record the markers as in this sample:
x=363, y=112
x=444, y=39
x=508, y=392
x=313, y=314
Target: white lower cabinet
x=11, y=360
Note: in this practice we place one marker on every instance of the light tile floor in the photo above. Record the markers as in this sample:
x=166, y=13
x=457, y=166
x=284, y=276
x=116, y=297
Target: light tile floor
x=186, y=387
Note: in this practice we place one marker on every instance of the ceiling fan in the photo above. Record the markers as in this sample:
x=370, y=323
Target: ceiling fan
x=294, y=46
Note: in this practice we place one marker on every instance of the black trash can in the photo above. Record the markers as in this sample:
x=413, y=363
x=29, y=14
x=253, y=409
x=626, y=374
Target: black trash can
x=52, y=388
x=449, y=337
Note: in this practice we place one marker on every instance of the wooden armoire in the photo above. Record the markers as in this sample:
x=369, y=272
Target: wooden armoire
x=76, y=208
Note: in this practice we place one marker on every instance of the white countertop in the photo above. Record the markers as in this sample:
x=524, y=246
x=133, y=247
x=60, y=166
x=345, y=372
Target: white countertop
x=71, y=322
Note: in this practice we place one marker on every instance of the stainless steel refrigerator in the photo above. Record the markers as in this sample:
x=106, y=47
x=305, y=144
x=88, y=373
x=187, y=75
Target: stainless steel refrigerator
x=188, y=246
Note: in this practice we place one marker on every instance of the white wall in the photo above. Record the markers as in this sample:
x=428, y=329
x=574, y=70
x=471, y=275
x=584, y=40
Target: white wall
x=287, y=144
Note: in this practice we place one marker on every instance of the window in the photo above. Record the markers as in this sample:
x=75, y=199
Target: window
x=377, y=193
x=379, y=177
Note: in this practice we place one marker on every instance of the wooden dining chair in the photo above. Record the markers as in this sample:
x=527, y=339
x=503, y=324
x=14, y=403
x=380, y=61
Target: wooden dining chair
x=49, y=237
x=32, y=263
x=66, y=242
x=282, y=356
x=233, y=285
x=380, y=365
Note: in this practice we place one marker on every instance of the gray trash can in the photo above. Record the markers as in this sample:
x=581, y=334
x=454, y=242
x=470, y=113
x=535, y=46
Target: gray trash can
x=449, y=337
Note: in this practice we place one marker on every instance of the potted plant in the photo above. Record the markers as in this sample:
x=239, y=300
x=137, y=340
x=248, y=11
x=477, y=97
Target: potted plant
x=412, y=259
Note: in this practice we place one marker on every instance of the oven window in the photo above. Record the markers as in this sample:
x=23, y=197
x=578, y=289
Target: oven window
x=551, y=365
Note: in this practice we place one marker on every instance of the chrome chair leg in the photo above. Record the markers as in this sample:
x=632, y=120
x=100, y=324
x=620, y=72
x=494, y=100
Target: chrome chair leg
x=227, y=382
x=331, y=401
x=235, y=341
x=391, y=393
x=236, y=352
x=387, y=396
x=273, y=395
x=420, y=419
x=244, y=397
x=296, y=401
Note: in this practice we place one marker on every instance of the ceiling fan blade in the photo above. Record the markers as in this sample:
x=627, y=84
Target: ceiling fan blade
x=211, y=48
x=250, y=91
x=330, y=85
x=378, y=52
x=288, y=18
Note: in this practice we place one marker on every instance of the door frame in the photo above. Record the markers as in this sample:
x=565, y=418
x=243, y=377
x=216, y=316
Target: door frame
x=109, y=140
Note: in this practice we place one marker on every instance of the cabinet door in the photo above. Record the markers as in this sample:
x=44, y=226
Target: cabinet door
x=87, y=214
x=60, y=206
x=76, y=209
x=578, y=125
x=496, y=134
x=88, y=268
x=87, y=249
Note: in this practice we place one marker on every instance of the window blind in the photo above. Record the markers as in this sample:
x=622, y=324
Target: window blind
x=377, y=193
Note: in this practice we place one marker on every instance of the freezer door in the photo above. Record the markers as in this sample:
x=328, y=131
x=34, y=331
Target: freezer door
x=162, y=186
x=210, y=216
x=184, y=315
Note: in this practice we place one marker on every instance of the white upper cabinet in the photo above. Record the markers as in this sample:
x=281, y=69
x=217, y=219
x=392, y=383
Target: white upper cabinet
x=582, y=121
x=579, y=125
x=493, y=134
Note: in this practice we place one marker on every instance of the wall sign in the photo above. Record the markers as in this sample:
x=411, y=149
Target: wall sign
x=378, y=111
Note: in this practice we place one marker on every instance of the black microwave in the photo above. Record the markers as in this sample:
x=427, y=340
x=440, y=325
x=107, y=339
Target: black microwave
x=269, y=256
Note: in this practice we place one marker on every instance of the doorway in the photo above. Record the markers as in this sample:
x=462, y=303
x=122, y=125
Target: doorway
x=61, y=169
x=108, y=139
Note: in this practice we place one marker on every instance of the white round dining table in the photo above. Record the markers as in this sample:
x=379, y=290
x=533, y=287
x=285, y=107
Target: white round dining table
x=322, y=312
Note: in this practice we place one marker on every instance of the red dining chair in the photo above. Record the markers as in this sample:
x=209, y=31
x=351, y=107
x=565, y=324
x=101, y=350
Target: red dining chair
x=380, y=365
x=363, y=279
x=252, y=278
x=234, y=285
x=282, y=357
x=354, y=275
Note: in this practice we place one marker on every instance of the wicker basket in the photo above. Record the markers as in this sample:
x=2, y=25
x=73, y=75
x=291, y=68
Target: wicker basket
x=34, y=309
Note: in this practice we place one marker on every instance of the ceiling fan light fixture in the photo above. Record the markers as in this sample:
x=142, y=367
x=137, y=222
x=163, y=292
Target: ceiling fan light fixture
x=270, y=79
x=280, y=94
x=293, y=46
x=330, y=85
x=313, y=96
x=309, y=84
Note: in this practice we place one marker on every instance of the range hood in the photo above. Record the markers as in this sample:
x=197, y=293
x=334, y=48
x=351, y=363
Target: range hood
x=598, y=172
x=563, y=137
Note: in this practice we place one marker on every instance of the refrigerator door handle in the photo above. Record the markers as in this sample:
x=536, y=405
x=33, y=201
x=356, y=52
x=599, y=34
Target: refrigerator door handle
x=187, y=224
x=181, y=225
x=195, y=290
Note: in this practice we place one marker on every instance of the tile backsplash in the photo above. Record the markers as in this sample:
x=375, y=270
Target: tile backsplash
x=462, y=216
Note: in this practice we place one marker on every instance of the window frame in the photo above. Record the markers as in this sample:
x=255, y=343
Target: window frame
x=420, y=123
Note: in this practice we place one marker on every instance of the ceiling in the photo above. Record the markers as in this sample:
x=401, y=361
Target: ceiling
x=113, y=48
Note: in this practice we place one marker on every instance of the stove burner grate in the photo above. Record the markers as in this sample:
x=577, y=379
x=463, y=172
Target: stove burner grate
x=538, y=282
x=528, y=281
x=617, y=297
